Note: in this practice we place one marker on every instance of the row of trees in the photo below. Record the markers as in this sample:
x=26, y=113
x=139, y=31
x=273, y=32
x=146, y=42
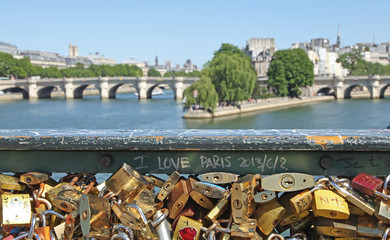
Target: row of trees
x=229, y=77
x=22, y=68
x=357, y=66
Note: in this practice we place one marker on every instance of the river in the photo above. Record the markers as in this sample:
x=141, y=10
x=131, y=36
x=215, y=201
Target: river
x=162, y=112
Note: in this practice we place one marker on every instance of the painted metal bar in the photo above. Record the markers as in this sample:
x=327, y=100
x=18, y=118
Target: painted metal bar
x=318, y=152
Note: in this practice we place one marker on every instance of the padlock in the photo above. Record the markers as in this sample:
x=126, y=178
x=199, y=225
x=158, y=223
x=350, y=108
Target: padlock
x=126, y=183
x=299, y=225
x=43, y=231
x=148, y=232
x=290, y=216
x=16, y=210
x=264, y=196
x=168, y=185
x=219, y=177
x=269, y=216
x=122, y=212
x=42, y=216
x=178, y=198
x=337, y=227
x=33, y=178
x=10, y=183
x=67, y=199
x=69, y=227
x=161, y=224
x=352, y=196
x=189, y=211
x=202, y=200
x=330, y=205
x=158, y=182
x=227, y=235
x=303, y=201
x=187, y=228
x=369, y=226
x=275, y=236
x=145, y=200
x=383, y=209
x=287, y=182
x=246, y=229
x=366, y=184
x=95, y=214
x=219, y=208
x=51, y=193
x=210, y=190
x=242, y=199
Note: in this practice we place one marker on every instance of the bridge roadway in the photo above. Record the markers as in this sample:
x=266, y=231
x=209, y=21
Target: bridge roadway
x=340, y=87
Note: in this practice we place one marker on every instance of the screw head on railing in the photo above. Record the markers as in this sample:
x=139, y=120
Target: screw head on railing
x=326, y=162
x=106, y=161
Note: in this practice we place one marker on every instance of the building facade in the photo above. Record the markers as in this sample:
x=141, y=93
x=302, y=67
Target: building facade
x=8, y=48
x=260, y=50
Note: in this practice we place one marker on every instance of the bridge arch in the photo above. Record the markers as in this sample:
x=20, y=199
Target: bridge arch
x=78, y=91
x=325, y=91
x=23, y=91
x=383, y=90
x=149, y=92
x=348, y=90
x=45, y=92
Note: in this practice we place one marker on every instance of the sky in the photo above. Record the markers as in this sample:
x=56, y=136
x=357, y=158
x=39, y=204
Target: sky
x=177, y=30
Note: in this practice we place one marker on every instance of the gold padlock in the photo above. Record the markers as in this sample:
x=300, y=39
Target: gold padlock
x=187, y=228
x=10, y=183
x=145, y=200
x=242, y=199
x=290, y=216
x=67, y=199
x=203, y=201
x=126, y=183
x=269, y=216
x=34, y=178
x=246, y=229
x=16, y=210
x=168, y=185
x=330, y=205
x=95, y=216
x=219, y=209
x=178, y=198
x=337, y=227
x=303, y=200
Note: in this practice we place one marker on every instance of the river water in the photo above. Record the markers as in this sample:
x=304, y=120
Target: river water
x=162, y=112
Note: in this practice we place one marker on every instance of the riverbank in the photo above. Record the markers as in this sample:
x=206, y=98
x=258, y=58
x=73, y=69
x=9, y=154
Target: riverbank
x=254, y=106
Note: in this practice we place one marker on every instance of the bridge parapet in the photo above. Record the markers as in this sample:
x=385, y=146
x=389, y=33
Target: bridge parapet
x=317, y=152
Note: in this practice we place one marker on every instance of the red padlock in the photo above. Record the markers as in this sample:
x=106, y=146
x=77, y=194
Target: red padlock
x=366, y=184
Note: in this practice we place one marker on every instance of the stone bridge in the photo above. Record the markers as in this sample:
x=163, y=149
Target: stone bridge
x=341, y=87
x=107, y=86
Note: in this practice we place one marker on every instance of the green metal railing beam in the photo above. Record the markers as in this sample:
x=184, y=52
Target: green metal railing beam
x=317, y=152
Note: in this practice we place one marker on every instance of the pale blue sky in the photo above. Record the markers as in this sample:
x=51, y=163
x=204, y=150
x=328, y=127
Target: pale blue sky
x=178, y=30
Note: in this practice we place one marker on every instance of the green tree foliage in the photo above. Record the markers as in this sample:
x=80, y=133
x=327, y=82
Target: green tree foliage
x=289, y=70
x=7, y=65
x=357, y=66
x=232, y=74
x=153, y=73
x=207, y=95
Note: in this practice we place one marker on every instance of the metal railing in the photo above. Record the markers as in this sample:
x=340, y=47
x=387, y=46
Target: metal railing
x=317, y=152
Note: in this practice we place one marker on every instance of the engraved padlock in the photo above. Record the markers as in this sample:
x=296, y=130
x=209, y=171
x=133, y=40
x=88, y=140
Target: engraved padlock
x=303, y=201
x=368, y=184
x=330, y=205
x=290, y=216
x=351, y=196
x=242, y=199
x=67, y=199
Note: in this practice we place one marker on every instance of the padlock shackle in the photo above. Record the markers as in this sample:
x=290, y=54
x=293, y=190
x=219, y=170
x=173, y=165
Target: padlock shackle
x=344, y=193
x=141, y=213
x=275, y=236
x=117, y=228
x=42, y=200
x=32, y=226
x=386, y=234
x=161, y=218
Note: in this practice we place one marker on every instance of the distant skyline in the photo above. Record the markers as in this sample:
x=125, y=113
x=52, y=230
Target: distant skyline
x=179, y=30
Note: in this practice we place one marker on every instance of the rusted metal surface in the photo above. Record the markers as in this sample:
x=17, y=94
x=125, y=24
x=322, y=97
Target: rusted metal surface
x=340, y=152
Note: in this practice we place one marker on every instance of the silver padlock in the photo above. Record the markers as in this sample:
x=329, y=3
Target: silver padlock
x=161, y=224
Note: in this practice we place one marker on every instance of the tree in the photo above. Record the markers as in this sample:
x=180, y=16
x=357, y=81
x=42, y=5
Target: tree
x=351, y=60
x=207, y=95
x=290, y=70
x=153, y=73
x=232, y=74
